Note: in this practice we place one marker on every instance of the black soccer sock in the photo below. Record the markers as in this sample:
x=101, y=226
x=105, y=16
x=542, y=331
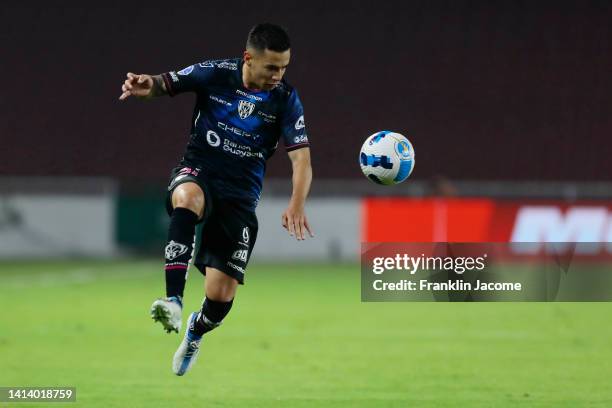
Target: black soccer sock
x=211, y=316
x=178, y=249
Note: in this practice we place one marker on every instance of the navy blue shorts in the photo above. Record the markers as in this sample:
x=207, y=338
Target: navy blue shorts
x=227, y=232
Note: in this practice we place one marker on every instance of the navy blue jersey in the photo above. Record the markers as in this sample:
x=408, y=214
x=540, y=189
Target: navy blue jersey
x=235, y=130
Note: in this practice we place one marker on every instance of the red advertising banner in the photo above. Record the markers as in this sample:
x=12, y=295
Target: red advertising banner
x=488, y=220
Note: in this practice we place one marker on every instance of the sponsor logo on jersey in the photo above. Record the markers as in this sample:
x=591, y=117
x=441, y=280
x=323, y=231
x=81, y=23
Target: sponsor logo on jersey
x=219, y=100
x=300, y=139
x=240, y=255
x=299, y=124
x=237, y=131
x=267, y=117
x=248, y=95
x=227, y=65
x=175, y=249
x=219, y=64
x=245, y=108
x=213, y=138
x=186, y=71
x=229, y=146
x=240, y=150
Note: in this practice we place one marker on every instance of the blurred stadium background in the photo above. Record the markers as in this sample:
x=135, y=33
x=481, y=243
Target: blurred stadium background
x=506, y=102
x=509, y=107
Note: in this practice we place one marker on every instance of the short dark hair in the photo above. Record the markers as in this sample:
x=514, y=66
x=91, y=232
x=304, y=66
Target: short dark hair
x=268, y=36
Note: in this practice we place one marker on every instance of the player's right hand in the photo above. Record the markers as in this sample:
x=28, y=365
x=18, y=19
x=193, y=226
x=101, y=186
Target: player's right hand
x=139, y=85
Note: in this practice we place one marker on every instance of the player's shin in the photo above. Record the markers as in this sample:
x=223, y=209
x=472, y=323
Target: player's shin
x=211, y=316
x=179, y=250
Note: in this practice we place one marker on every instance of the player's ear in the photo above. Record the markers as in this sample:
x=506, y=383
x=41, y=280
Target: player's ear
x=247, y=57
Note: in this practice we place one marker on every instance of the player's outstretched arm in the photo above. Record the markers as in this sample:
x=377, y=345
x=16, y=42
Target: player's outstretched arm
x=294, y=218
x=143, y=86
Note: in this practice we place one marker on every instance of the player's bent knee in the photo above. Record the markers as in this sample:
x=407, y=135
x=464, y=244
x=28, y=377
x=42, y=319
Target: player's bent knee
x=190, y=196
x=220, y=287
x=221, y=293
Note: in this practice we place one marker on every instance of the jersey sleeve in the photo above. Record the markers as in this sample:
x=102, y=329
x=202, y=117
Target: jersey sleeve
x=194, y=78
x=293, y=127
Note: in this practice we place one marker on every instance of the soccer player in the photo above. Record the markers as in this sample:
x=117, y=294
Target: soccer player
x=243, y=107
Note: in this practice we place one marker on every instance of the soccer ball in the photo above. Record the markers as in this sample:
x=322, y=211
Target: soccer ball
x=387, y=158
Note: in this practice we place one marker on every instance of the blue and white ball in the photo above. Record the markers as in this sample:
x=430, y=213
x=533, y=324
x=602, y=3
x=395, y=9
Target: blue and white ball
x=387, y=158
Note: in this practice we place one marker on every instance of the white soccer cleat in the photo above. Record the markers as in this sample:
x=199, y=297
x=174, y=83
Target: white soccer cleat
x=188, y=350
x=168, y=312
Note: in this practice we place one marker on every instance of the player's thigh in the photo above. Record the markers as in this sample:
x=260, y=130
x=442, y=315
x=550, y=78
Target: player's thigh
x=189, y=195
x=219, y=286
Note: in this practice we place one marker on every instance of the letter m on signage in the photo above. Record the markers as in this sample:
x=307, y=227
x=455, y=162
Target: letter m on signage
x=541, y=224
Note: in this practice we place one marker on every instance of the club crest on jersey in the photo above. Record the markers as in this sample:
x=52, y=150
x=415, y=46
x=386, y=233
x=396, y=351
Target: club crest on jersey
x=245, y=108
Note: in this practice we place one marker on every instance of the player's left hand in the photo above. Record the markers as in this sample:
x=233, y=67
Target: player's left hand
x=294, y=220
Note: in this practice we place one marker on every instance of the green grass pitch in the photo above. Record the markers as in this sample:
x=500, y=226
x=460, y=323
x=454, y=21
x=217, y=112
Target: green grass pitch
x=298, y=336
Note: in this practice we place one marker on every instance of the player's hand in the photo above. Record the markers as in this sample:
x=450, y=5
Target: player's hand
x=294, y=220
x=137, y=85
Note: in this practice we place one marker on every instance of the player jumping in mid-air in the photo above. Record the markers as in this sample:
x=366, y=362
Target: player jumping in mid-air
x=243, y=108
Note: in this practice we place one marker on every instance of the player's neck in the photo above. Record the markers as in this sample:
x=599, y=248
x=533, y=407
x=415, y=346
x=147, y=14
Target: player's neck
x=246, y=83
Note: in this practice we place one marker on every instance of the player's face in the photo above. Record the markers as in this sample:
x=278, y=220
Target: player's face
x=266, y=68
